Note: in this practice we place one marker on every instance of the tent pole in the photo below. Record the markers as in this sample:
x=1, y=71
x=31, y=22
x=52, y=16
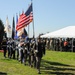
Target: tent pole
x=72, y=44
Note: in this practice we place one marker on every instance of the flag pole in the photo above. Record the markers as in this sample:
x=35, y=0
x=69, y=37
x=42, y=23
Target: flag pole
x=33, y=21
x=28, y=30
x=28, y=27
x=13, y=28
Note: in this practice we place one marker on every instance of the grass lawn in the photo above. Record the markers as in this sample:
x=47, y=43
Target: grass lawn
x=53, y=63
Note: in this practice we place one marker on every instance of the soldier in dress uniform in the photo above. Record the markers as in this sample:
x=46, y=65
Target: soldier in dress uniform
x=32, y=52
x=4, y=46
x=10, y=48
x=39, y=54
x=17, y=49
x=43, y=46
x=20, y=45
x=27, y=51
x=13, y=47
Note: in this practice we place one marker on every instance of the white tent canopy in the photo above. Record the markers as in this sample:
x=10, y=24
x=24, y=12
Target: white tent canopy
x=64, y=32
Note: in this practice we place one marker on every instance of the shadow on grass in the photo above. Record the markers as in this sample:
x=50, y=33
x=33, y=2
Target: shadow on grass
x=6, y=59
x=57, y=68
x=54, y=63
x=59, y=73
x=2, y=73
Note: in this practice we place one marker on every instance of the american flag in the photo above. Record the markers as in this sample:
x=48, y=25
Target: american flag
x=29, y=13
x=25, y=18
x=22, y=21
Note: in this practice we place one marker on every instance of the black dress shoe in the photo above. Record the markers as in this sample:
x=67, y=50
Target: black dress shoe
x=39, y=73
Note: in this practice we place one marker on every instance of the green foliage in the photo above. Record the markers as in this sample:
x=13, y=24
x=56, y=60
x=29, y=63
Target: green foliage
x=53, y=63
x=1, y=26
x=1, y=30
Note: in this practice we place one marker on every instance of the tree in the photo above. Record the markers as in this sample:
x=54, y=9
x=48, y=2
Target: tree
x=1, y=31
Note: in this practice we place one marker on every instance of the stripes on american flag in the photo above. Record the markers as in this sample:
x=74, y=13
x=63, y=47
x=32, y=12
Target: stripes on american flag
x=22, y=22
x=25, y=19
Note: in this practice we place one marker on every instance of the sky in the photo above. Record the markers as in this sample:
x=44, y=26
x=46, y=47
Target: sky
x=49, y=15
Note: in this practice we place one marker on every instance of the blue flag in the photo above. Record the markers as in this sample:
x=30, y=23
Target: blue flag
x=15, y=28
